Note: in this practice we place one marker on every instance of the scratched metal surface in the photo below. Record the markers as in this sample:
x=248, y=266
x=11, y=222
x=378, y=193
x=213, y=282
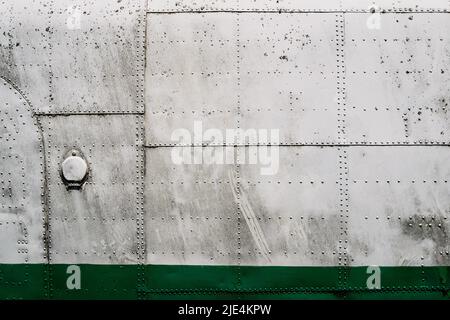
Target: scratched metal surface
x=21, y=180
x=402, y=69
x=377, y=193
x=357, y=91
x=65, y=67
x=293, y=5
x=97, y=225
x=190, y=212
x=292, y=217
x=286, y=219
x=25, y=49
x=400, y=206
x=238, y=78
x=182, y=89
x=94, y=68
x=284, y=82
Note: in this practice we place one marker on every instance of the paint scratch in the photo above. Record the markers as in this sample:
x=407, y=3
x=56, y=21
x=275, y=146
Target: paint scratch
x=250, y=218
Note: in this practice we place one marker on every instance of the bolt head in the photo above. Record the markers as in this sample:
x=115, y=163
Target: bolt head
x=74, y=169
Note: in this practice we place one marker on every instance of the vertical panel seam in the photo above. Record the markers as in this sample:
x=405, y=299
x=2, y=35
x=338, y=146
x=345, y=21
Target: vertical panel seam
x=238, y=168
x=140, y=137
x=342, y=152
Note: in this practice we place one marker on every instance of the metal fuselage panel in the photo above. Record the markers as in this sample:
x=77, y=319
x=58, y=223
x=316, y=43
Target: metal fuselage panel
x=358, y=93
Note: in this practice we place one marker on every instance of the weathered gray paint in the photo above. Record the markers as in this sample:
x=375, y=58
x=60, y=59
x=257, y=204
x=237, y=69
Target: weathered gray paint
x=377, y=193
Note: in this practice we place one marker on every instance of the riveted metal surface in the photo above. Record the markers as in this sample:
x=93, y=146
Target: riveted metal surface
x=95, y=60
x=288, y=86
x=313, y=100
x=395, y=5
x=362, y=175
x=21, y=180
x=300, y=6
x=291, y=217
x=75, y=56
x=190, y=211
x=399, y=206
x=192, y=59
x=244, y=5
x=24, y=48
x=96, y=224
x=398, y=79
x=207, y=66
x=14, y=237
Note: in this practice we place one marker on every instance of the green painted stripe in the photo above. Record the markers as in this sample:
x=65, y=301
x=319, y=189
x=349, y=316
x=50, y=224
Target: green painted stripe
x=41, y=281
